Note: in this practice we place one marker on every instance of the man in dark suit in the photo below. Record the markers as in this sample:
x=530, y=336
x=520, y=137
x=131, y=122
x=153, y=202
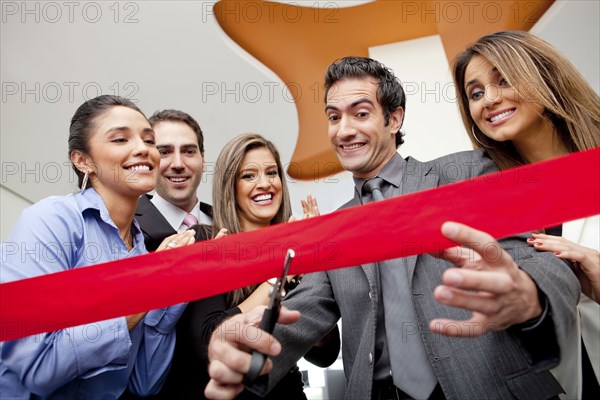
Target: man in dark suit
x=180, y=143
x=473, y=326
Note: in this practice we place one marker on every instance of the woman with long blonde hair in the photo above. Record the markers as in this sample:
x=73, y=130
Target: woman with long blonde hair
x=522, y=101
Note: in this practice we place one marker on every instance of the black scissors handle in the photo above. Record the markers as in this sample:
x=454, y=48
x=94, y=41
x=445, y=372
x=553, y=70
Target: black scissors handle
x=259, y=359
x=269, y=319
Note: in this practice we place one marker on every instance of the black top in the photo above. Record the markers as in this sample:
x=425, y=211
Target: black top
x=188, y=375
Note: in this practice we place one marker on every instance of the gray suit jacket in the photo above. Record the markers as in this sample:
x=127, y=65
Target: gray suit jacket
x=509, y=364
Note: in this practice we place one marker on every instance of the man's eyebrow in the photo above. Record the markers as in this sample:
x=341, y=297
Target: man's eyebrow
x=164, y=146
x=352, y=105
x=360, y=101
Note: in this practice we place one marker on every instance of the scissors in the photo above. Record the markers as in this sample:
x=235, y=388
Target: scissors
x=269, y=319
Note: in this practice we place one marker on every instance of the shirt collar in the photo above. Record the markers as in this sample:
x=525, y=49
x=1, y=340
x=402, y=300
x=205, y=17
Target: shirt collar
x=91, y=200
x=391, y=173
x=173, y=214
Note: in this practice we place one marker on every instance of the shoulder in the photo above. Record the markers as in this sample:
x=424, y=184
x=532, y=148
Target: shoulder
x=206, y=209
x=44, y=239
x=144, y=204
x=478, y=155
x=350, y=203
x=53, y=208
x=462, y=165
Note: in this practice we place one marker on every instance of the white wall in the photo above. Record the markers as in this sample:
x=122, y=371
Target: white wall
x=11, y=206
x=174, y=54
x=573, y=27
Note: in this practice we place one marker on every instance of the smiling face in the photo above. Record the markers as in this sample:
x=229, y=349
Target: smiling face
x=123, y=160
x=497, y=108
x=181, y=163
x=258, y=189
x=357, y=129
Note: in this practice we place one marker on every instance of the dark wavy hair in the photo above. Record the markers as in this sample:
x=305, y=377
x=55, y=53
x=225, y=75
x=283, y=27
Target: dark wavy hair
x=179, y=116
x=390, y=93
x=83, y=121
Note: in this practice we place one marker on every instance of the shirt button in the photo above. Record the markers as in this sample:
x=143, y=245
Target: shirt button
x=370, y=296
x=370, y=358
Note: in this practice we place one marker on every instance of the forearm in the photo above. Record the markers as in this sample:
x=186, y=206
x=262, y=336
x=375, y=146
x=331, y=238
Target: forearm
x=558, y=286
x=260, y=297
x=156, y=350
x=45, y=362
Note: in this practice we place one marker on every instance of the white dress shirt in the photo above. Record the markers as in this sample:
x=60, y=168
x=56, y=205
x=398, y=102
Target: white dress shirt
x=175, y=215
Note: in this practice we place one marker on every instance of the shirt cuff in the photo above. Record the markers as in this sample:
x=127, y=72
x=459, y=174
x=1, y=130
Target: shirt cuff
x=105, y=346
x=164, y=319
x=536, y=322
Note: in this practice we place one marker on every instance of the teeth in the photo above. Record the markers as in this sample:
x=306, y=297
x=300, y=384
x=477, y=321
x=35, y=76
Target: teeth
x=139, y=168
x=263, y=197
x=501, y=116
x=177, y=180
x=352, y=146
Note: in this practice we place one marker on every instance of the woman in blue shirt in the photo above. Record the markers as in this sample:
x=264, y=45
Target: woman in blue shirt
x=112, y=150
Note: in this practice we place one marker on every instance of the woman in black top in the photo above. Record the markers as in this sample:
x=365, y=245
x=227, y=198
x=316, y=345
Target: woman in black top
x=249, y=192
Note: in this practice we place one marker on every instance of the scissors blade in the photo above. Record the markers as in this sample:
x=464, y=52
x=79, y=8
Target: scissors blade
x=277, y=293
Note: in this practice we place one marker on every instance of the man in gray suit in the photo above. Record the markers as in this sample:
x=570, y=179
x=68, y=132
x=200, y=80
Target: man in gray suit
x=490, y=328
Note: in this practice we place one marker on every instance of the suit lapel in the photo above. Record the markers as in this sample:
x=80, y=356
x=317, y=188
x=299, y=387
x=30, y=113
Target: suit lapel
x=206, y=209
x=417, y=176
x=151, y=221
x=424, y=178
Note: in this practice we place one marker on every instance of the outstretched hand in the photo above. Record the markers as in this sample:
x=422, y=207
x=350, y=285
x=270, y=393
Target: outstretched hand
x=585, y=260
x=310, y=208
x=229, y=346
x=182, y=239
x=486, y=281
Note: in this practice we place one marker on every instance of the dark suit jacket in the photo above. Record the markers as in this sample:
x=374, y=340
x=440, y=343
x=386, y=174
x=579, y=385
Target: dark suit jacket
x=155, y=229
x=508, y=364
x=154, y=226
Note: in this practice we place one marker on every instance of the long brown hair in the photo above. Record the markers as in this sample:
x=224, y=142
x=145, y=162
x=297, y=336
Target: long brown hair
x=225, y=208
x=540, y=74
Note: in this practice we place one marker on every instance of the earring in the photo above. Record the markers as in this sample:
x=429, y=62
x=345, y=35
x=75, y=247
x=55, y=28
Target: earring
x=476, y=139
x=84, y=181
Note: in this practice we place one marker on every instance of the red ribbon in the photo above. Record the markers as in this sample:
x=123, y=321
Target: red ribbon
x=509, y=202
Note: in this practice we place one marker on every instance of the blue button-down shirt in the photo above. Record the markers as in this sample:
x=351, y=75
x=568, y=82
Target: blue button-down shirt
x=92, y=361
